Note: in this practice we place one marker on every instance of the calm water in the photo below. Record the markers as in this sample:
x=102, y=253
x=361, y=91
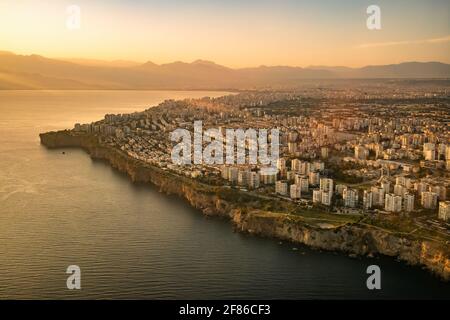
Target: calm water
x=131, y=241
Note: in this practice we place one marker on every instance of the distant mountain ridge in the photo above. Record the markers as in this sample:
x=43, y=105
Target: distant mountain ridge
x=38, y=72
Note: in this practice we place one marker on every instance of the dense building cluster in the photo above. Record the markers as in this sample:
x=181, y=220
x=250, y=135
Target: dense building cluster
x=373, y=154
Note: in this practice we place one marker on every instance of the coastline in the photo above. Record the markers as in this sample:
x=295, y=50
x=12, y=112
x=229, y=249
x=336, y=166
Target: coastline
x=353, y=239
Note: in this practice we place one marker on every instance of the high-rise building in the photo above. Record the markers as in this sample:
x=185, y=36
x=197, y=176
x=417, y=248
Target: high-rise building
x=295, y=165
x=442, y=151
x=314, y=178
x=295, y=191
x=290, y=175
x=268, y=176
x=405, y=141
x=281, y=188
x=386, y=186
x=378, y=150
x=305, y=167
x=350, y=197
x=326, y=184
x=281, y=164
x=292, y=147
x=403, y=181
x=378, y=196
x=253, y=182
x=408, y=202
x=420, y=187
x=399, y=190
x=303, y=182
x=367, y=199
x=429, y=200
x=393, y=203
x=429, y=151
x=317, y=196
x=441, y=191
x=326, y=197
x=444, y=210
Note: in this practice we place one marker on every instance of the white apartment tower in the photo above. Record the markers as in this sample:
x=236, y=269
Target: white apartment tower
x=393, y=203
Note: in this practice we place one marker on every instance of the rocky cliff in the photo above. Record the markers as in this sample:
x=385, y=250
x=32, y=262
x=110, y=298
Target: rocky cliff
x=352, y=239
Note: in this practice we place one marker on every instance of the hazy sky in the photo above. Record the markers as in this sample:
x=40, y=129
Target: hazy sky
x=233, y=33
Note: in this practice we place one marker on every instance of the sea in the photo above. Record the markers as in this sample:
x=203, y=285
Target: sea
x=131, y=241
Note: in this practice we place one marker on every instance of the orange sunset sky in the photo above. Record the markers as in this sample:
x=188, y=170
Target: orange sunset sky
x=233, y=33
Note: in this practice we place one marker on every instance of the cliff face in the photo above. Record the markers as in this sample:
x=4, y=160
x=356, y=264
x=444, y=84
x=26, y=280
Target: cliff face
x=168, y=183
x=352, y=239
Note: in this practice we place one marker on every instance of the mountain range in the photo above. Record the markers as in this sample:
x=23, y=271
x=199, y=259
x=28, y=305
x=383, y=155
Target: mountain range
x=38, y=72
